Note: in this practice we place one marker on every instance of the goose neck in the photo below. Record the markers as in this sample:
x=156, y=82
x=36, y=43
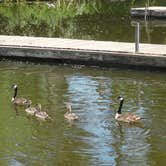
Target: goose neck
x=120, y=107
x=15, y=93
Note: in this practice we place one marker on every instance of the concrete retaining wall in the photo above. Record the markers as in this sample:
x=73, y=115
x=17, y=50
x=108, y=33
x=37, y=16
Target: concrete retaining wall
x=84, y=57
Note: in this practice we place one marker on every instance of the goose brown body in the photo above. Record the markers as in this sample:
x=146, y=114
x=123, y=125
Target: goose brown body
x=128, y=117
x=42, y=115
x=69, y=115
x=19, y=101
x=31, y=110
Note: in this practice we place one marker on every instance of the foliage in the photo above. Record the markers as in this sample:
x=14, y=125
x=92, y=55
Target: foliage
x=49, y=18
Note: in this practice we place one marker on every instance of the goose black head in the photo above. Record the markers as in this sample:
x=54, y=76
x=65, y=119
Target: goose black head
x=120, y=98
x=14, y=86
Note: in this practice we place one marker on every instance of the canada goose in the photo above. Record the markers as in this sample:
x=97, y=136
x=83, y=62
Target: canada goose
x=128, y=117
x=41, y=115
x=69, y=115
x=19, y=101
x=31, y=110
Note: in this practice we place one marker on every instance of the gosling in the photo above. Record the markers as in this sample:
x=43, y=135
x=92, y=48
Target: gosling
x=69, y=115
x=42, y=115
x=31, y=110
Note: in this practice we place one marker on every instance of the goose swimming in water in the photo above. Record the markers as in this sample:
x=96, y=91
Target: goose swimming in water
x=41, y=115
x=69, y=115
x=19, y=101
x=31, y=110
x=128, y=117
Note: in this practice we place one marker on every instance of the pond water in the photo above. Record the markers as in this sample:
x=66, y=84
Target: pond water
x=96, y=138
x=108, y=20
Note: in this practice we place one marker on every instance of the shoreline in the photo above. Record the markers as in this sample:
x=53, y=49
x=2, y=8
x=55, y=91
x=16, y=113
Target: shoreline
x=84, y=52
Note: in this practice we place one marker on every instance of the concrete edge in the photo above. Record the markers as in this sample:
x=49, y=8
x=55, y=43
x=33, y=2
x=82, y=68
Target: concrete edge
x=86, y=57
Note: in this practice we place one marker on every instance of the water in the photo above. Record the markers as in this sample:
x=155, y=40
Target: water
x=108, y=20
x=96, y=139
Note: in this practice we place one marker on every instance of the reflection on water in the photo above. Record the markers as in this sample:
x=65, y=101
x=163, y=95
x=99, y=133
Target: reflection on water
x=108, y=20
x=96, y=139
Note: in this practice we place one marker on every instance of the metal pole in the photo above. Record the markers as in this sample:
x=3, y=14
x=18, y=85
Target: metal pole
x=137, y=36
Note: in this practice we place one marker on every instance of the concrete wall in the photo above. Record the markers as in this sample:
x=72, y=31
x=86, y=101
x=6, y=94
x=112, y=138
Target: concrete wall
x=83, y=57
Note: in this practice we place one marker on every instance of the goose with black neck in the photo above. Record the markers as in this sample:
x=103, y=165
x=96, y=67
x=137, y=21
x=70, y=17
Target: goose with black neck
x=128, y=117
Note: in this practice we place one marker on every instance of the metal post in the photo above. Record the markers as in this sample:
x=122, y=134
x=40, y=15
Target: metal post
x=137, y=36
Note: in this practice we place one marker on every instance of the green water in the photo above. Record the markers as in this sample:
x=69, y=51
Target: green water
x=94, y=20
x=96, y=139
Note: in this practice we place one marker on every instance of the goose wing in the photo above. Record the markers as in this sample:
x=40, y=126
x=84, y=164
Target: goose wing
x=129, y=117
x=71, y=116
x=31, y=110
x=41, y=115
x=22, y=101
